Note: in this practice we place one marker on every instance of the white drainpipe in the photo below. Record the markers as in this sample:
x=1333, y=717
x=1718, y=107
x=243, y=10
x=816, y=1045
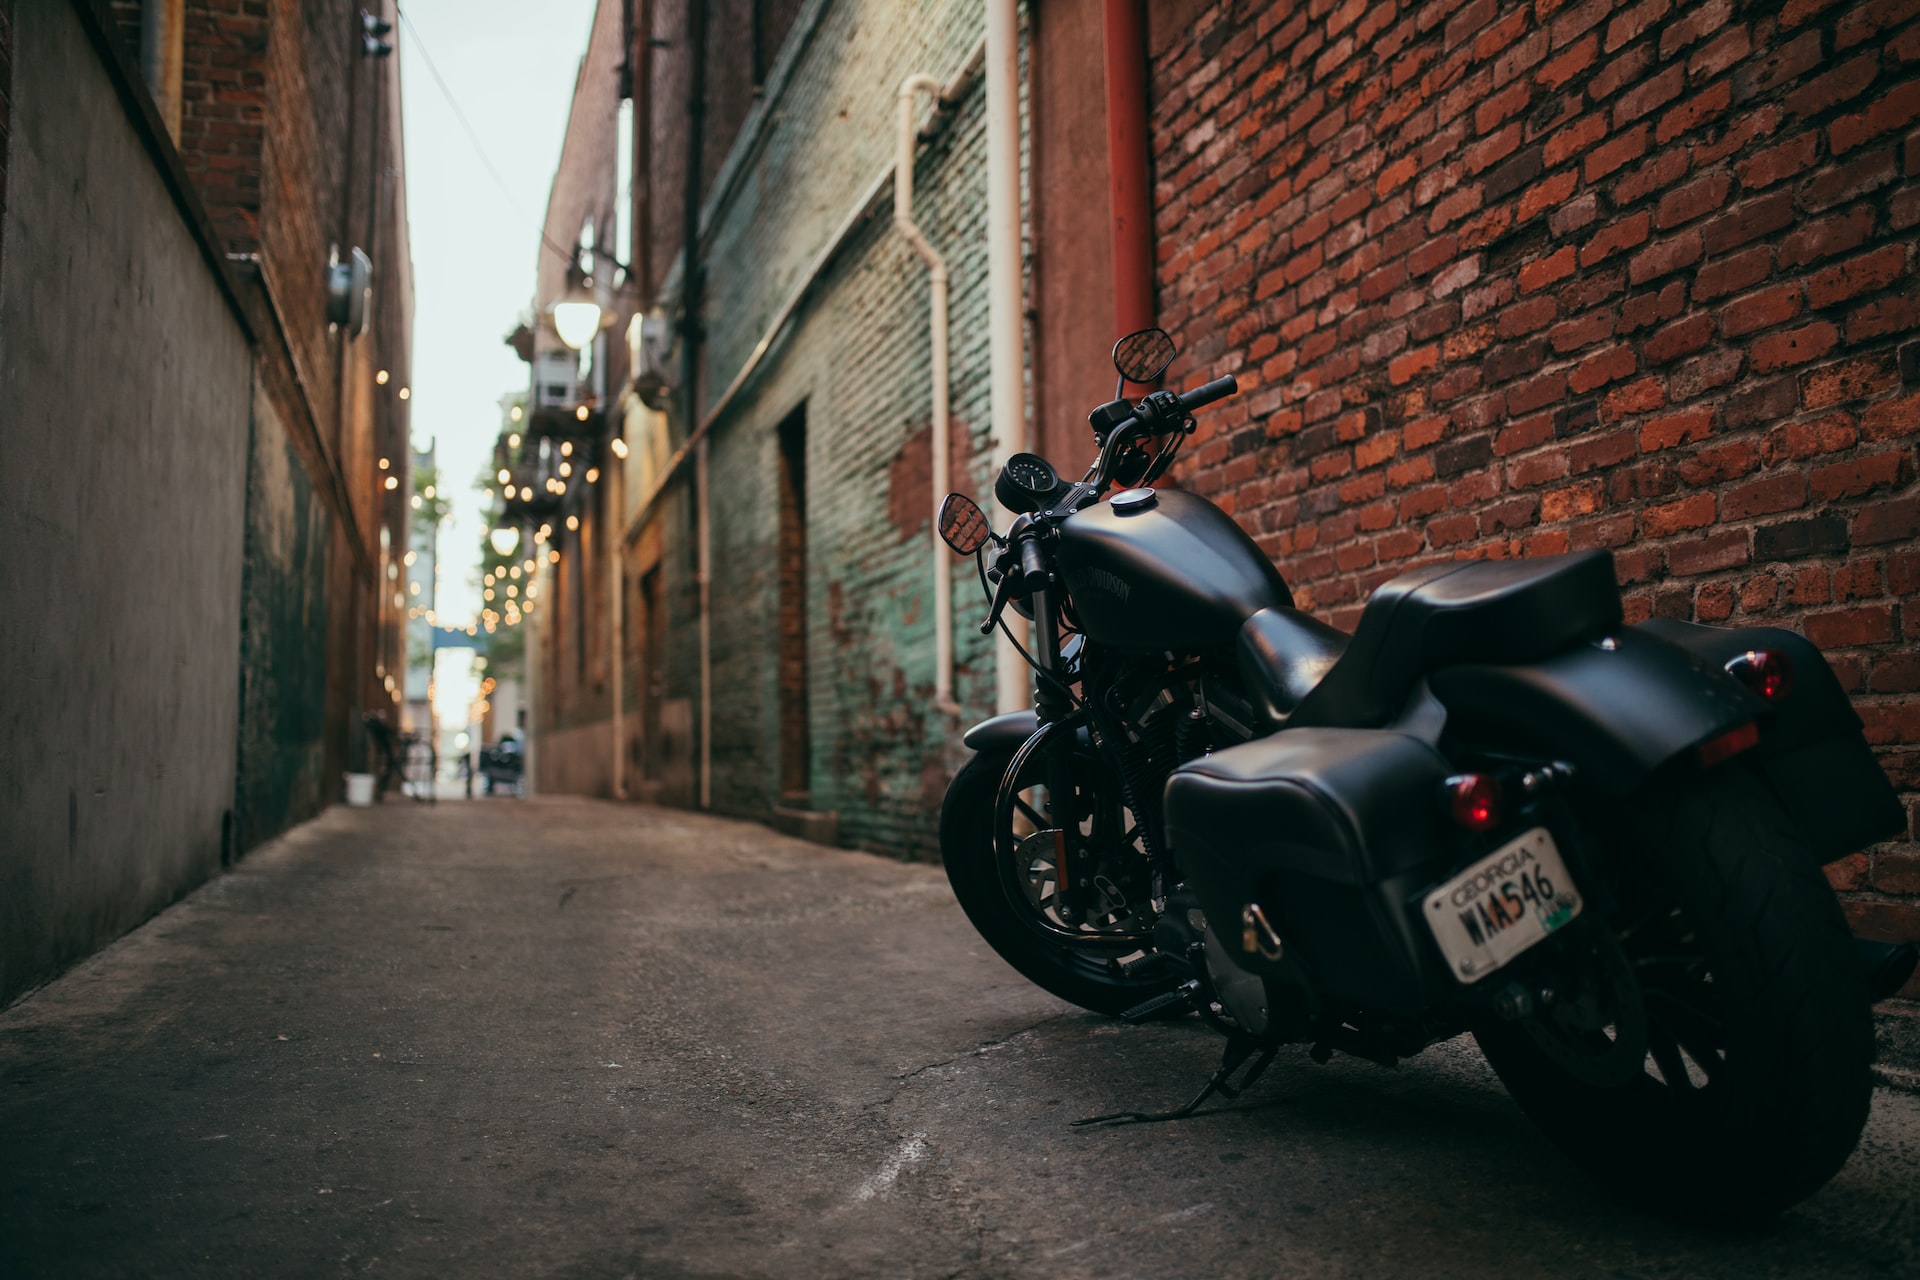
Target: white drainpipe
x=937, y=288
x=1007, y=345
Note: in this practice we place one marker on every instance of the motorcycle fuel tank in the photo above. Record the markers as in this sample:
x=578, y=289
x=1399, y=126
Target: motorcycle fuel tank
x=1165, y=571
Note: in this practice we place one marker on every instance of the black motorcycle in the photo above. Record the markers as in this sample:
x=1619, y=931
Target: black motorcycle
x=1493, y=808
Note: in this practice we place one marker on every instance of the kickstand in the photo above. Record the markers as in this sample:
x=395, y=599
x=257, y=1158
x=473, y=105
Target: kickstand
x=1238, y=1050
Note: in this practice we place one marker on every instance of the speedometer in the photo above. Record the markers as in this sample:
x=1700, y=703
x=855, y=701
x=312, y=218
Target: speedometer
x=1026, y=483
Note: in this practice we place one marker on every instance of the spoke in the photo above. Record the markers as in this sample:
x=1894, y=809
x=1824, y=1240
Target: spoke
x=1032, y=814
x=1666, y=1054
x=1700, y=1043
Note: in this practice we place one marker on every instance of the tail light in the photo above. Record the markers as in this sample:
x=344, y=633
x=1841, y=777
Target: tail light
x=1768, y=673
x=1475, y=801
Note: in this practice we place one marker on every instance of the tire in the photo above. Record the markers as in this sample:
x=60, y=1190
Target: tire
x=1726, y=917
x=1084, y=976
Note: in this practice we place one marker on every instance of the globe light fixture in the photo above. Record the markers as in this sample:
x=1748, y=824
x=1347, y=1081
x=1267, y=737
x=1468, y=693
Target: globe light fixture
x=576, y=317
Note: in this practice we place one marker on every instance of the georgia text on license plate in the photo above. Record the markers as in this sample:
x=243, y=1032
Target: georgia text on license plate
x=1501, y=905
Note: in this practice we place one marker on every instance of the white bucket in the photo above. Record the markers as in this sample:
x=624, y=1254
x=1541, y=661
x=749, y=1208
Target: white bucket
x=359, y=790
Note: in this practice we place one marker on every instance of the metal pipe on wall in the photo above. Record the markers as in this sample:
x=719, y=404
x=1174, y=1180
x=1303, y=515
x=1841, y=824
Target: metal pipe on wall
x=163, y=25
x=1129, y=187
x=704, y=535
x=911, y=88
x=1005, y=318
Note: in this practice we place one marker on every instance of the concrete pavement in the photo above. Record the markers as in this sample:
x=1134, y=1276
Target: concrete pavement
x=568, y=1038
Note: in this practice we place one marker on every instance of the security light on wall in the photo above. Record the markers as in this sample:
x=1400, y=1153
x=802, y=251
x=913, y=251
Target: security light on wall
x=650, y=352
x=350, y=291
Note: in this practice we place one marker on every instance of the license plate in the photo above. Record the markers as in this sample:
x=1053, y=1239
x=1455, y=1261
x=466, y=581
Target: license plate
x=1501, y=905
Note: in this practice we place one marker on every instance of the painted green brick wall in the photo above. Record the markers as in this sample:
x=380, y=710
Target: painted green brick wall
x=858, y=359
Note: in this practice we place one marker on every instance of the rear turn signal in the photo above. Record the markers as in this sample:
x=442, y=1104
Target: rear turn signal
x=1729, y=744
x=1768, y=673
x=1475, y=801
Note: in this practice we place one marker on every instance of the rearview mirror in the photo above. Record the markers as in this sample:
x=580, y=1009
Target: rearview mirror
x=1144, y=356
x=962, y=525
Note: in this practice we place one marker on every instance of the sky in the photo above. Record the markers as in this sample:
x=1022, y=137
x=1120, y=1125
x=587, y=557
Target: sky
x=509, y=65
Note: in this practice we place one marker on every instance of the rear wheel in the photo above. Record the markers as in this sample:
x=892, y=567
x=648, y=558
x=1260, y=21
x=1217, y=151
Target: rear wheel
x=1713, y=1062
x=1017, y=907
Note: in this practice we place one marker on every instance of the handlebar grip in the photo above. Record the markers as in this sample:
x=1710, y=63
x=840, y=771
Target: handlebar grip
x=1207, y=393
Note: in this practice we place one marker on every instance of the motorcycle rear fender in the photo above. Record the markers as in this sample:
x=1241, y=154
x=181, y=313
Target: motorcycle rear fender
x=1813, y=755
x=1621, y=715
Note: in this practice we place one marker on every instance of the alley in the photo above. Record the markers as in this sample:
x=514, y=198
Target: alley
x=570, y=1038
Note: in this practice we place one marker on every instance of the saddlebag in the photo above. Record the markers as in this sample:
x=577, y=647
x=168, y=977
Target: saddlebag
x=1329, y=832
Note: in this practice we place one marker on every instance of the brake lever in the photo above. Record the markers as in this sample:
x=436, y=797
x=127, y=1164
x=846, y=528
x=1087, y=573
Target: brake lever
x=1001, y=594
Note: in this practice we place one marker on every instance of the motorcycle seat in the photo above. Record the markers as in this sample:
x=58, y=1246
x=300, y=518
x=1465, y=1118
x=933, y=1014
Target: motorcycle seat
x=1487, y=611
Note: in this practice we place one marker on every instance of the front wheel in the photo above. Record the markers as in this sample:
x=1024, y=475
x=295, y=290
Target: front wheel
x=1077, y=961
x=1730, y=981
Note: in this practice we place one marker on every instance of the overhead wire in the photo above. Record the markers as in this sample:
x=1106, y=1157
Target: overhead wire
x=473, y=136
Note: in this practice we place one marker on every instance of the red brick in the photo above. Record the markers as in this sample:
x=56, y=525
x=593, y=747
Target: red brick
x=1848, y=80
x=1676, y=428
x=1892, y=315
x=1865, y=173
x=1748, y=222
x=1679, y=339
x=1890, y=521
x=1663, y=169
x=1698, y=110
x=1694, y=22
x=1643, y=395
x=1764, y=497
x=1572, y=139
x=1541, y=272
x=1610, y=155
x=1861, y=379
x=1860, y=476
x=1776, y=164
x=1891, y=418
x=1899, y=108
x=1823, y=239
x=1797, y=346
x=1649, y=95
x=1569, y=64
x=1717, y=463
x=1547, y=194
x=1601, y=368
x=1760, y=310
x=1527, y=316
x=1745, y=127
x=1710, y=554
x=1724, y=51
x=1616, y=236
x=1843, y=628
x=1695, y=512
x=1865, y=274
x=1727, y=275
x=1695, y=200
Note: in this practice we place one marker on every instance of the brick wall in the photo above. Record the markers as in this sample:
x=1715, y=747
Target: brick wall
x=1506, y=280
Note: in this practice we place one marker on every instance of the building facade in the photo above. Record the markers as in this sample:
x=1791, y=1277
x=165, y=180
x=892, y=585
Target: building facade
x=1496, y=280
x=207, y=444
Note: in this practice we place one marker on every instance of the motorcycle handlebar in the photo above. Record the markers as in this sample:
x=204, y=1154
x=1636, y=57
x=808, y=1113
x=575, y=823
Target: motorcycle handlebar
x=1207, y=393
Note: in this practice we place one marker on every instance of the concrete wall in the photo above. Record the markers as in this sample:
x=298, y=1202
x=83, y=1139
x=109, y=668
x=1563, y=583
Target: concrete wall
x=123, y=509
x=283, y=776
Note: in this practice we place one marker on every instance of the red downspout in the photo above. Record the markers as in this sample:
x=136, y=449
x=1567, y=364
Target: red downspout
x=1128, y=189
